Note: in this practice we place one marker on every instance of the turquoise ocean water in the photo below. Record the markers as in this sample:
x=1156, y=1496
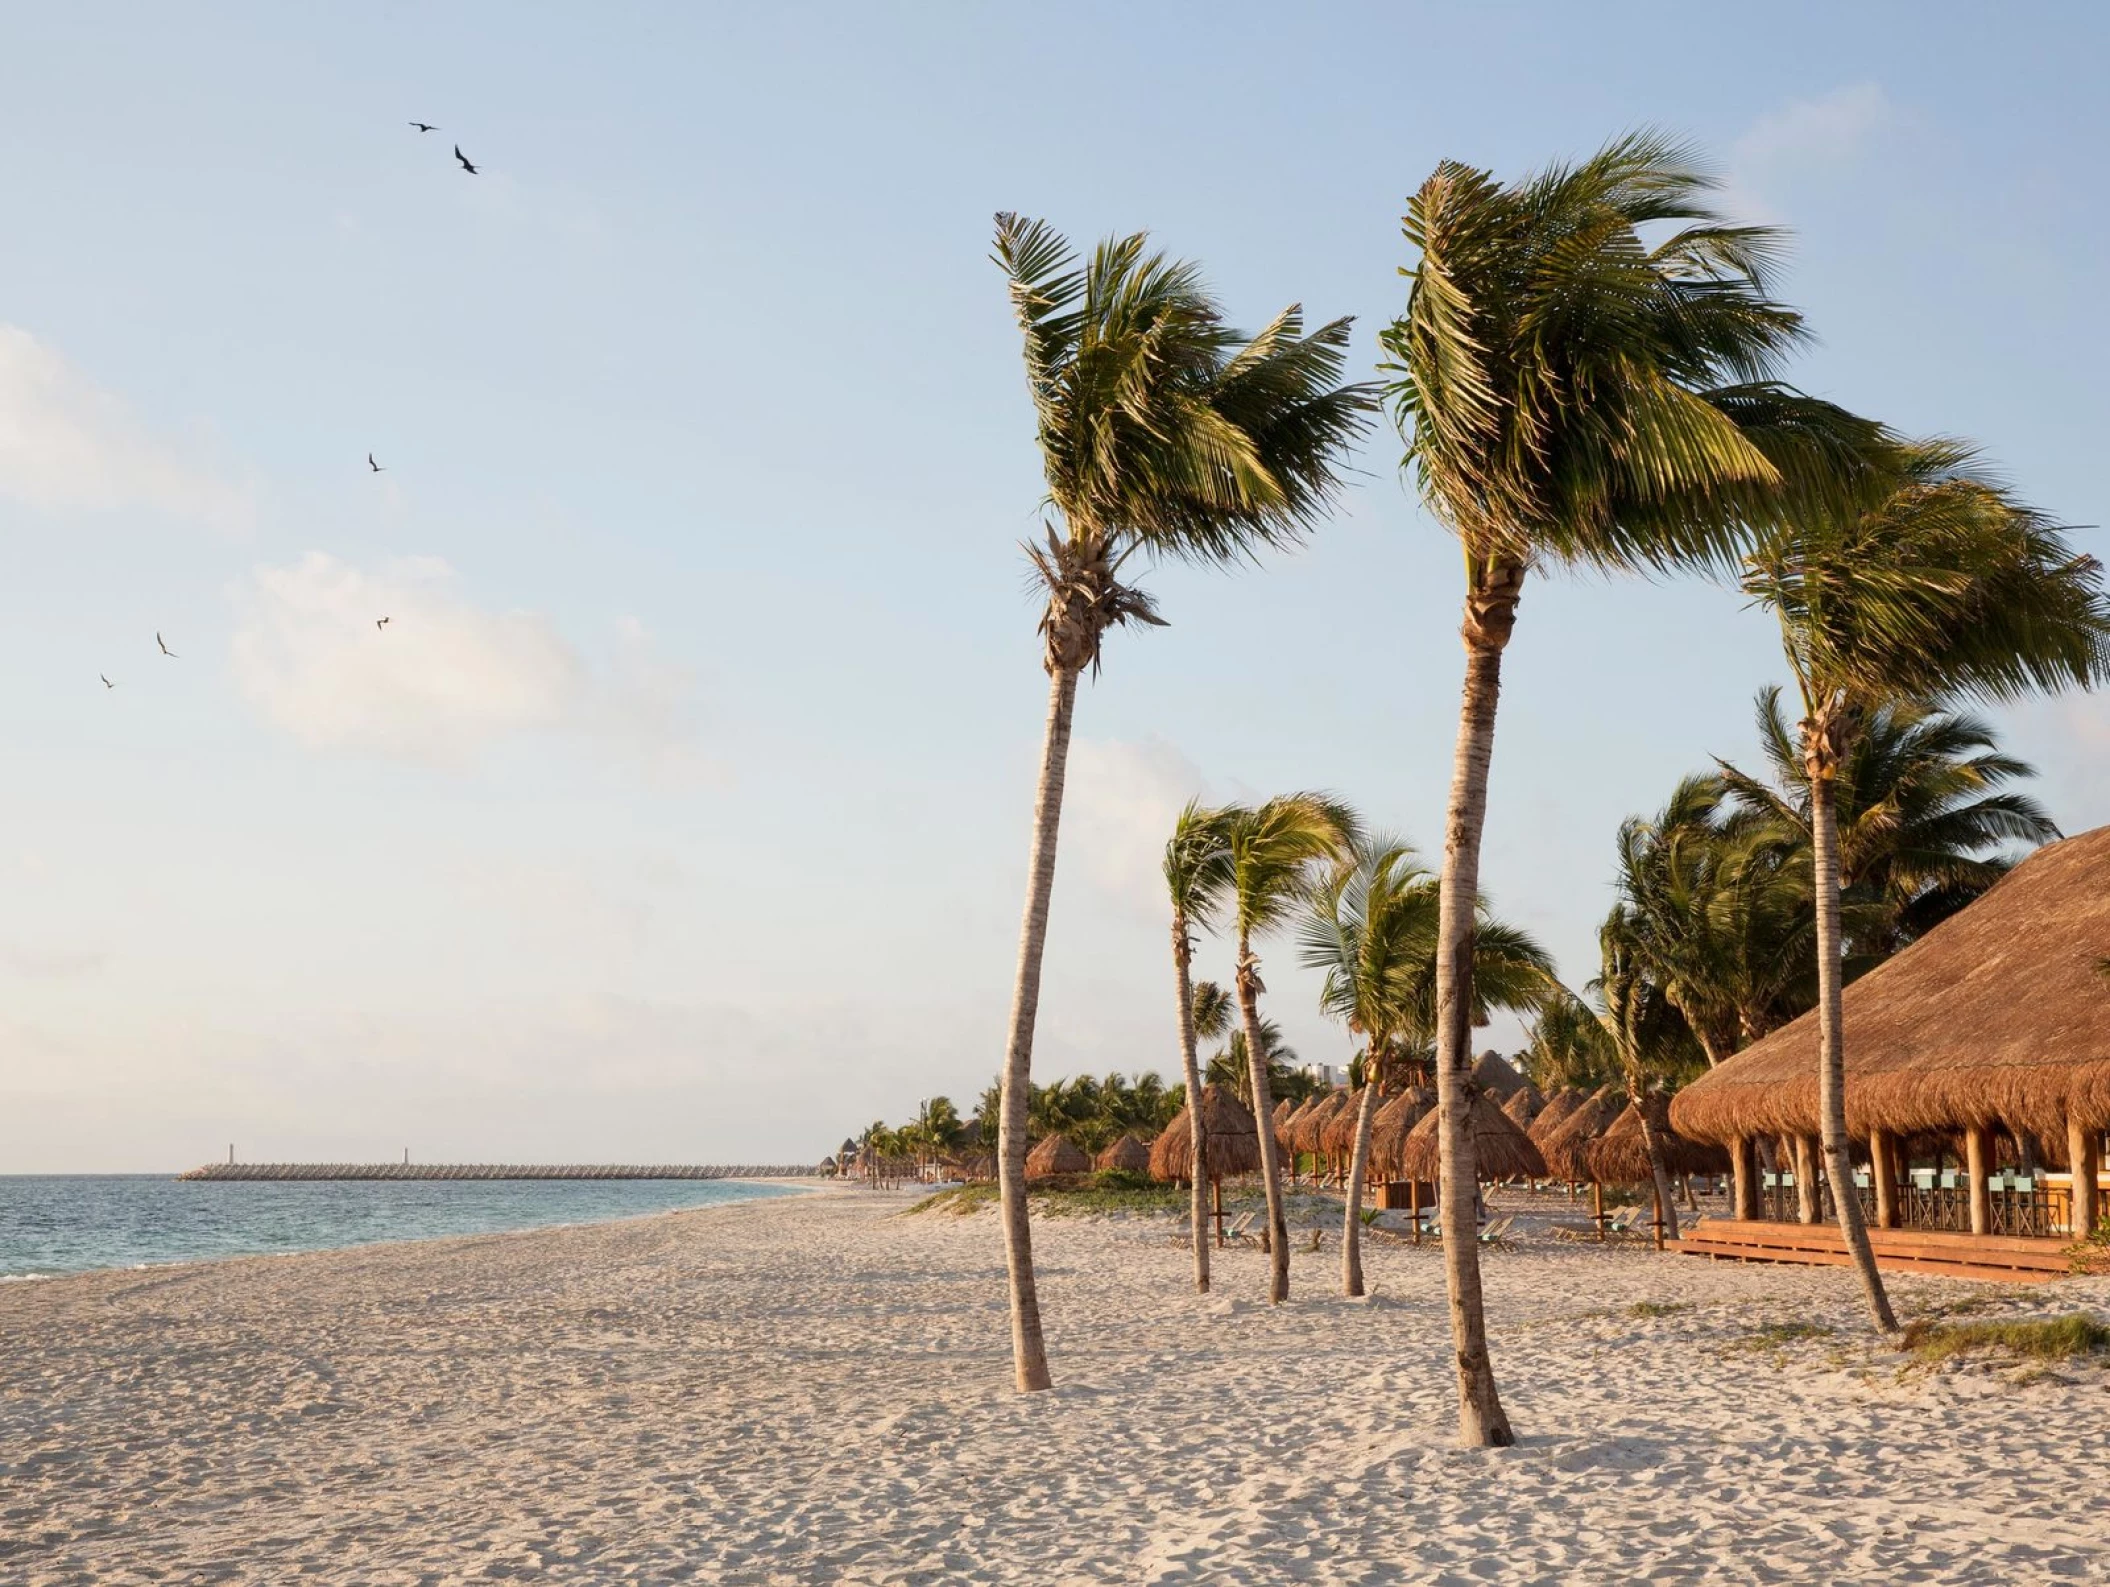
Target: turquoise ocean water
x=52, y=1224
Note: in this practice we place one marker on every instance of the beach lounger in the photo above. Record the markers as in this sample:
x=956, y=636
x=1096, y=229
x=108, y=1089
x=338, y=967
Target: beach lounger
x=1497, y=1233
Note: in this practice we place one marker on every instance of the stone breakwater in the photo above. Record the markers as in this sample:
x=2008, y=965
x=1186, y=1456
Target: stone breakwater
x=288, y=1171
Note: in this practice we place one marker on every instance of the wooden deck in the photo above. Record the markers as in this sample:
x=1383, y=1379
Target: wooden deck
x=2008, y=1259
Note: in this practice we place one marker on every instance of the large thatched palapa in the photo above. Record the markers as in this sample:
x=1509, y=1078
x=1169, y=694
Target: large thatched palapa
x=1054, y=1157
x=1234, y=1145
x=1128, y=1154
x=1620, y=1155
x=1997, y=1017
x=1500, y=1149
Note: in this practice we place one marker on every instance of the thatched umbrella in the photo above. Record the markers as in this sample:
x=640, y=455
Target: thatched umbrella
x=1311, y=1126
x=1234, y=1145
x=1620, y=1156
x=1390, y=1129
x=1128, y=1154
x=1524, y=1106
x=1054, y=1156
x=1287, y=1135
x=1337, y=1134
x=1555, y=1113
x=1566, y=1148
x=1500, y=1149
x=1283, y=1110
x=1492, y=1072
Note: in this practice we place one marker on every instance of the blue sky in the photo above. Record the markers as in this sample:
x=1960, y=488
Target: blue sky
x=680, y=811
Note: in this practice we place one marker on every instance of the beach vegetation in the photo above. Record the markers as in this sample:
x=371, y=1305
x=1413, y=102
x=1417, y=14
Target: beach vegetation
x=1197, y=871
x=1931, y=1342
x=1163, y=434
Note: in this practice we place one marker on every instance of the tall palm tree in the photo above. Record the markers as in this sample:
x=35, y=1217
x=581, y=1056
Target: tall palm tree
x=1372, y=930
x=1926, y=817
x=1937, y=584
x=1232, y=1067
x=1653, y=1040
x=1278, y=849
x=1166, y=433
x=1568, y=1047
x=1572, y=393
x=1198, y=876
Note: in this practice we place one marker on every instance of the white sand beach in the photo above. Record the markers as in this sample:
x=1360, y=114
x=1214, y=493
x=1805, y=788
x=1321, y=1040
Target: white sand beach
x=816, y=1390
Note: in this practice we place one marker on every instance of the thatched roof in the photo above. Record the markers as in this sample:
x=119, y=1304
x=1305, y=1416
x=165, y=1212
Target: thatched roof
x=1395, y=1121
x=1996, y=1016
x=1311, y=1123
x=1234, y=1145
x=1620, y=1156
x=1500, y=1149
x=1493, y=1072
x=1055, y=1155
x=1128, y=1154
x=1337, y=1134
x=1555, y=1113
x=1566, y=1146
x=1524, y=1106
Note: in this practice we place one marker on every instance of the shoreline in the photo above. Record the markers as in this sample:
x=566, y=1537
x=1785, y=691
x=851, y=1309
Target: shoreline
x=815, y=1389
x=789, y=1187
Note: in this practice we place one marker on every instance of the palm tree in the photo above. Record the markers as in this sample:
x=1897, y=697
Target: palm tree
x=1232, y=1066
x=1161, y=431
x=1277, y=849
x=1568, y=1047
x=1937, y=584
x=1372, y=930
x=1197, y=875
x=1573, y=394
x=1924, y=812
x=1655, y=1043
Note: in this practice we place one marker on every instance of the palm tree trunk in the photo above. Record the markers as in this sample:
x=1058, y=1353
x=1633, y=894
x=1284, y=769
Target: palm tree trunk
x=1029, y=1353
x=1652, y=1144
x=1263, y=1105
x=1831, y=1037
x=1197, y=1130
x=1490, y=608
x=1358, y=1167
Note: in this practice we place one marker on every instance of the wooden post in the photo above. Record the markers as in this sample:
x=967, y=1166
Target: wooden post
x=1808, y=1206
x=2084, y=1157
x=1978, y=1161
x=1656, y=1190
x=1414, y=1206
x=1743, y=1180
x=1882, y=1174
x=1597, y=1208
x=1216, y=1189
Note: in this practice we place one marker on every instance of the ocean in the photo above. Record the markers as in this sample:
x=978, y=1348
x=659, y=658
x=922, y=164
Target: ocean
x=70, y=1223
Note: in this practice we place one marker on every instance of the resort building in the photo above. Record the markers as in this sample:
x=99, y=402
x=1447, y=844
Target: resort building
x=1977, y=1089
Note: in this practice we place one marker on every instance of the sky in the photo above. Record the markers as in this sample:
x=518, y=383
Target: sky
x=680, y=810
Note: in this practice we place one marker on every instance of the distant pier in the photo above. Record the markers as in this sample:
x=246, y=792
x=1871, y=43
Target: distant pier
x=291, y=1171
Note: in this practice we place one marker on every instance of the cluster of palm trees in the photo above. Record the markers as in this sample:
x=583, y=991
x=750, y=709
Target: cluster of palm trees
x=1586, y=375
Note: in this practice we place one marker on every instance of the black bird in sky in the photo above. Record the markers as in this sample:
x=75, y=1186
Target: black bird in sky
x=380, y=622
x=466, y=166
x=164, y=644
x=376, y=467
x=424, y=126
x=106, y=682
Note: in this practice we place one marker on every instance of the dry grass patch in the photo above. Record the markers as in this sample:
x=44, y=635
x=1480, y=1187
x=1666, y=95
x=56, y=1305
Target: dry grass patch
x=2039, y=1339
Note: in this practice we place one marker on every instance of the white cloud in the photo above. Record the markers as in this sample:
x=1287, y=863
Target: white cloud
x=1118, y=808
x=444, y=678
x=1802, y=138
x=68, y=445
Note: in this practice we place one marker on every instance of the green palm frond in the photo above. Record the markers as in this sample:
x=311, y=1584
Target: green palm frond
x=1197, y=864
x=1213, y=1011
x=1278, y=850
x=1569, y=392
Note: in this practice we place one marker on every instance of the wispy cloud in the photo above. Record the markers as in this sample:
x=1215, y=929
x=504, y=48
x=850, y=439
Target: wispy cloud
x=445, y=678
x=1119, y=804
x=1797, y=141
x=66, y=444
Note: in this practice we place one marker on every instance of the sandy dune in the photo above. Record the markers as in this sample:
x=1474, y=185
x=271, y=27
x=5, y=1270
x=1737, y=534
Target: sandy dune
x=816, y=1391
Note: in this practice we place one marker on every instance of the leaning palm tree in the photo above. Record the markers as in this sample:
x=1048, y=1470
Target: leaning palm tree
x=1277, y=851
x=1372, y=932
x=1198, y=876
x=1163, y=433
x=1574, y=394
x=1938, y=584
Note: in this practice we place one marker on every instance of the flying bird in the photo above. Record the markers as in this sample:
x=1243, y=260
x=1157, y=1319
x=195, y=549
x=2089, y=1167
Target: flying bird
x=106, y=682
x=466, y=166
x=376, y=467
x=164, y=644
x=380, y=622
x=424, y=126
